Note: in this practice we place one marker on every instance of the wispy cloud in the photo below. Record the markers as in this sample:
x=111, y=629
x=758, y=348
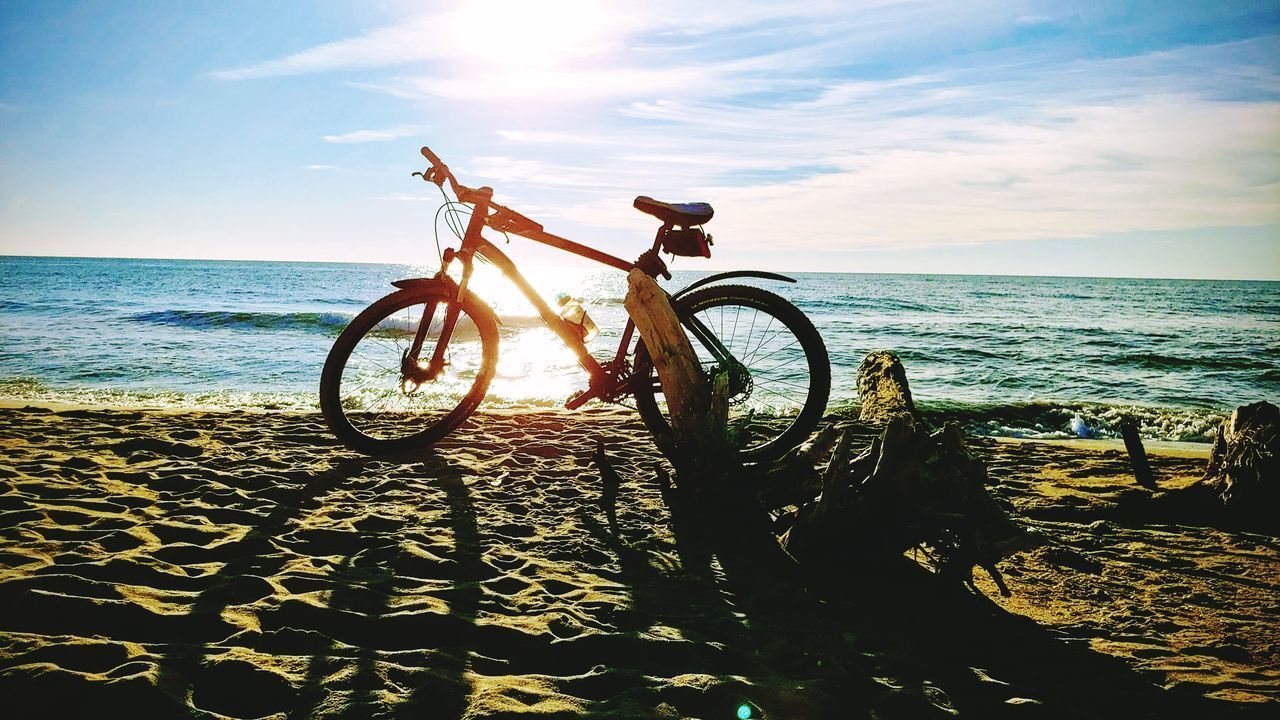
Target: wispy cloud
x=407, y=41
x=320, y=168
x=364, y=136
x=409, y=197
x=1074, y=149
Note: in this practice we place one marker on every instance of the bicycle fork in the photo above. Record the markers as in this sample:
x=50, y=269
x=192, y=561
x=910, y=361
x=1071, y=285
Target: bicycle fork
x=411, y=368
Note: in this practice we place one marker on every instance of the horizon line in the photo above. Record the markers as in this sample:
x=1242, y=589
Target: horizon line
x=552, y=265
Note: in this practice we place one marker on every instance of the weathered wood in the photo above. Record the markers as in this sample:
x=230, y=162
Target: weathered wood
x=684, y=388
x=794, y=479
x=1137, y=455
x=1244, y=466
x=834, y=486
x=911, y=488
x=882, y=387
x=709, y=478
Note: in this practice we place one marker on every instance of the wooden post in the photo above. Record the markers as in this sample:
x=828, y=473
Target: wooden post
x=685, y=389
x=1137, y=455
x=708, y=473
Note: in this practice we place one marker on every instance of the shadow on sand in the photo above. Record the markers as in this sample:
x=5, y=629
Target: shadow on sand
x=890, y=642
x=339, y=629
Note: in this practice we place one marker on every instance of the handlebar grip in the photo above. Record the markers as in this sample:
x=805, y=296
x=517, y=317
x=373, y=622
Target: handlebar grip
x=435, y=159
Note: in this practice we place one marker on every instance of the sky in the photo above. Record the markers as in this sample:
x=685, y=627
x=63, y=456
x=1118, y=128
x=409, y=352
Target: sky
x=1036, y=138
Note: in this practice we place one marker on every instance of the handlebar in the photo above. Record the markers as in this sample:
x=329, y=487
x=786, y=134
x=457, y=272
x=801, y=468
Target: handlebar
x=435, y=159
x=438, y=173
x=503, y=219
x=506, y=220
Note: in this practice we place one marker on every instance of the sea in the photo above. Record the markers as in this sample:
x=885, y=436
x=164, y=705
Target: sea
x=1036, y=357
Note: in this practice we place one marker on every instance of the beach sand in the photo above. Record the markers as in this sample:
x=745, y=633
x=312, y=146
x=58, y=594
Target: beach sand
x=243, y=565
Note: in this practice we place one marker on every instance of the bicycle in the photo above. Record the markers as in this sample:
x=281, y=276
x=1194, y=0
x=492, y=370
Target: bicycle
x=414, y=365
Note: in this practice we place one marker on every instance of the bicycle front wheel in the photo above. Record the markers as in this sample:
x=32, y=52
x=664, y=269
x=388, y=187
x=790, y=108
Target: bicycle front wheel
x=365, y=396
x=779, y=372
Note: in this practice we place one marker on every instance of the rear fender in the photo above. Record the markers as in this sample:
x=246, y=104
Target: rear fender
x=730, y=275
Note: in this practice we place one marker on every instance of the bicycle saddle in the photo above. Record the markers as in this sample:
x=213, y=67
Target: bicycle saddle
x=682, y=214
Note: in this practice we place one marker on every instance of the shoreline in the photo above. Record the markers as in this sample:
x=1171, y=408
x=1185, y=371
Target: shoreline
x=1153, y=447
x=1170, y=448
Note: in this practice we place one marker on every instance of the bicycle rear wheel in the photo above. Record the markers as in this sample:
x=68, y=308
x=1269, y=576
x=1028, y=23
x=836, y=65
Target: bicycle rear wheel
x=364, y=394
x=781, y=375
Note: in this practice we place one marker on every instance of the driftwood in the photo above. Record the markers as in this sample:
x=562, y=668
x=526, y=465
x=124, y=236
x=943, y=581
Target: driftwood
x=1240, y=488
x=911, y=488
x=882, y=387
x=1244, y=467
x=708, y=474
x=1137, y=455
x=686, y=391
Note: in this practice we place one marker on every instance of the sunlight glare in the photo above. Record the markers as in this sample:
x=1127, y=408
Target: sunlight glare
x=514, y=35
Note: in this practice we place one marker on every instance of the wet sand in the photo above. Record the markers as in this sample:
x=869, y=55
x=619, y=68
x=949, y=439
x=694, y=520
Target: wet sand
x=242, y=565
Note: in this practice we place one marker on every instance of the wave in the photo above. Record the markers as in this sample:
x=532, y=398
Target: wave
x=1155, y=361
x=326, y=322
x=879, y=304
x=29, y=389
x=1063, y=420
x=220, y=319
x=1047, y=420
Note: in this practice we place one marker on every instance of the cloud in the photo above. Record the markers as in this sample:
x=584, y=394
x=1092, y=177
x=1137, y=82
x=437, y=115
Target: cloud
x=364, y=136
x=844, y=126
x=1171, y=140
x=409, y=197
x=403, y=42
x=562, y=138
x=1159, y=164
x=566, y=85
x=320, y=168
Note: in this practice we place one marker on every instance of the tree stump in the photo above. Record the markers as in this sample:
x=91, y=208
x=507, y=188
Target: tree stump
x=1244, y=466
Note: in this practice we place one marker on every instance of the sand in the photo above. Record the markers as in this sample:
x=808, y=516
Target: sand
x=242, y=565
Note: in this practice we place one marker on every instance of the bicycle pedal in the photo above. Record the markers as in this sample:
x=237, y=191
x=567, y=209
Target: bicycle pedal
x=578, y=399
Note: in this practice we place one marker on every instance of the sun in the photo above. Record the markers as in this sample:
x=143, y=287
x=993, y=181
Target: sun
x=509, y=35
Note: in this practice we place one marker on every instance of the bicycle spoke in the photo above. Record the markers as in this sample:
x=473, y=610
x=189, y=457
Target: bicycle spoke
x=784, y=362
x=375, y=362
x=790, y=400
x=765, y=339
x=374, y=386
x=754, y=316
x=763, y=333
x=734, y=333
x=785, y=382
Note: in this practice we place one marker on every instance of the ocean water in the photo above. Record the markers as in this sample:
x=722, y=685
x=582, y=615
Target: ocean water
x=1021, y=356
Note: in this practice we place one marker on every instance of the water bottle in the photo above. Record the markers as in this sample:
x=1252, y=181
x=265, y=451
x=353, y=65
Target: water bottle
x=572, y=310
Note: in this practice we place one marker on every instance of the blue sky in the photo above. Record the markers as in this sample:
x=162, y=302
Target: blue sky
x=1133, y=139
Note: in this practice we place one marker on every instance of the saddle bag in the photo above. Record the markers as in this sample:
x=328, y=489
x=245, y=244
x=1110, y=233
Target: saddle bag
x=689, y=242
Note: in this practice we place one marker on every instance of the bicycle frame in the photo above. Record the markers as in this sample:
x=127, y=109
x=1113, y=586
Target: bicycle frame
x=602, y=381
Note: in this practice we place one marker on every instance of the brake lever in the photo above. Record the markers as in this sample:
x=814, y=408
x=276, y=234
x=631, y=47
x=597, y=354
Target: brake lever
x=434, y=175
